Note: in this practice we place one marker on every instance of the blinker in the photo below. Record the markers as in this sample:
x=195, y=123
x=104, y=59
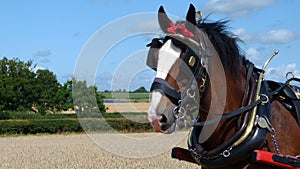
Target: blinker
x=192, y=61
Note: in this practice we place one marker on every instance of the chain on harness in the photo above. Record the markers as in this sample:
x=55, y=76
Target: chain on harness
x=189, y=104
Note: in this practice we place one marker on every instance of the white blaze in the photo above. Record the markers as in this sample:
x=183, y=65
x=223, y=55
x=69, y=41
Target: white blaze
x=155, y=100
x=168, y=54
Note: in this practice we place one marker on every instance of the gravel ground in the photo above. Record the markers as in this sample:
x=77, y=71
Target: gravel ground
x=75, y=151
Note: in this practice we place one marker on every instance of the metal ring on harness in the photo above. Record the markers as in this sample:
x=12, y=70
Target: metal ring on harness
x=202, y=87
x=264, y=99
x=179, y=112
x=287, y=75
x=226, y=153
x=191, y=95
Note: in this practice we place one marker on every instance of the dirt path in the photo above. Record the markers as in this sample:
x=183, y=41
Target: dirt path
x=74, y=151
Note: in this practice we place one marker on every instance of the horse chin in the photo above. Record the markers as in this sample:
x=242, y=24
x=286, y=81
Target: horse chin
x=170, y=129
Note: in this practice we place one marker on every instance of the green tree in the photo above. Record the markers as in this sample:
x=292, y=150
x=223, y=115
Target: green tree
x=22, y=87
x=64, y=96
x=47, y=88
x=140, y=90
x=16, y=79
x=86, y=98
x=100, y=102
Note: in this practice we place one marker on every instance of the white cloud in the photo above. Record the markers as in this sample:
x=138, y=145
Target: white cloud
x=274, y=36
x=76, y=34
x=243, y=35
x=278, y=73
x=253, y=53
x=236, y=8
x=257, y=55
x=42, y=53
x=279, y=36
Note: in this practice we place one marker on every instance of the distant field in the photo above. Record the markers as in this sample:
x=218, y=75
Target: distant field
x=126, y=102
x=127, y=107
x=132, y=97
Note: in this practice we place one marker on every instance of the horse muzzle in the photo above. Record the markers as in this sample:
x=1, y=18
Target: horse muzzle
x=156, y=124
x=161, y=124
x=160, y=113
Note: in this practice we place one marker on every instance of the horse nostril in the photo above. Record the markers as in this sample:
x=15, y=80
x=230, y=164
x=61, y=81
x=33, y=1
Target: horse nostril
x=163, y=119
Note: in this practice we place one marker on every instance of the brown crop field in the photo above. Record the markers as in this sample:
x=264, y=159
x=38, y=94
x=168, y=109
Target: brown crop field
x=127, y=107
x=75, y=151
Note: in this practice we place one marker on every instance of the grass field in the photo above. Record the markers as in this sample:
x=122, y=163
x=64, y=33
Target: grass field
x=132, y=97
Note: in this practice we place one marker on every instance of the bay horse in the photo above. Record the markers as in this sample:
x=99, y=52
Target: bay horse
x=200, y=69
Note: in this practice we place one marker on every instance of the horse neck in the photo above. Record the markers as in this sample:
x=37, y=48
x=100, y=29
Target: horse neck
x=235, y=86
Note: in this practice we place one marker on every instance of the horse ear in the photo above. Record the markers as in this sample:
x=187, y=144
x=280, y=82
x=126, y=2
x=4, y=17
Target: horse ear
x=163, y=19
x=191, y=15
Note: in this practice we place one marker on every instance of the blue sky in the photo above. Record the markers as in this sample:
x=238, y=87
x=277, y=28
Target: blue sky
x=54, y=33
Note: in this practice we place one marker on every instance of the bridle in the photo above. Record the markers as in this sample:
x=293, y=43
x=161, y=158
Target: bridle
x=186, y=100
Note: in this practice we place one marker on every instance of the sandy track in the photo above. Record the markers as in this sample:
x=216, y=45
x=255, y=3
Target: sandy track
x=74, y=151
x=127, y=107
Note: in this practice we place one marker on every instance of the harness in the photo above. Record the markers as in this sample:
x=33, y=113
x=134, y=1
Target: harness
x=288, y=95
x=230, y=153
x=255, y=122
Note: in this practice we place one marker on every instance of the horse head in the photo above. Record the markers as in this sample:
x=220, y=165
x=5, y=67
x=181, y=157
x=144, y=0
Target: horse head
x=180, y=60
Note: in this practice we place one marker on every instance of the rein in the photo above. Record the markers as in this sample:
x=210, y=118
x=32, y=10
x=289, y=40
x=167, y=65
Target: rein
x=226, y=116
x=262, y=99
x=195, y=123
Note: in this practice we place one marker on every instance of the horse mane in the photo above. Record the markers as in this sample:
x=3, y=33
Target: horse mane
x=225, y=44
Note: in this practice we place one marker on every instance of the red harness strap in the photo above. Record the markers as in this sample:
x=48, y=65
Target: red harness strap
x=182, y=154
x=273, y=159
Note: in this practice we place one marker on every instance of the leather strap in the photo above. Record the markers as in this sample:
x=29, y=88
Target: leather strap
x=229, y=115
x=162, y=86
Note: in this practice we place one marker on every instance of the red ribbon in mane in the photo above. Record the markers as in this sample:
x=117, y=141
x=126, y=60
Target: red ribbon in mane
x=184, y=31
